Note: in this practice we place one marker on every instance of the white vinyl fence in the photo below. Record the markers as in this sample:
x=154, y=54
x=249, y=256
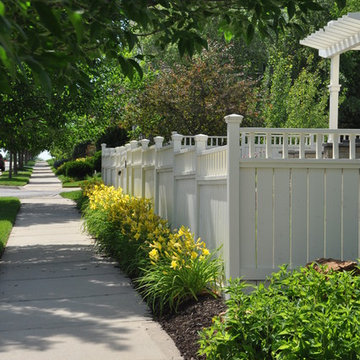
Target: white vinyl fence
x=269, y=196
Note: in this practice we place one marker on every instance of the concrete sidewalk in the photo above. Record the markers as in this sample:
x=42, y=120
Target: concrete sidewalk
x=59, y=300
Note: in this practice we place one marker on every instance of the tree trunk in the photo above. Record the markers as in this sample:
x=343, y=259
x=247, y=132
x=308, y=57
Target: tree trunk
x=15, y=163
x=10, y=165
x=21, y=159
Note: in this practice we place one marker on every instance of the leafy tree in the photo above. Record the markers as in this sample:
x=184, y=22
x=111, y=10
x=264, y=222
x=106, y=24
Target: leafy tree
x=194, y=98
x=307, y=101
x=279, y=83
x=295, y=100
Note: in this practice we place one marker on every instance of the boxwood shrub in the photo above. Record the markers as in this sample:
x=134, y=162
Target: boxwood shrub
x=78, y=170
x=302, y=314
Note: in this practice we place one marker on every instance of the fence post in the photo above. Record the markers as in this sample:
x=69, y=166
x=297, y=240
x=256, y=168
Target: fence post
x=103, y=176
x=144, y=147
x=176, y=138
x=117, y=166
x=127, y=164
x=200, y=145
x=232, y=240
x=201, y=142
x=133, y=146
x=158, y=145
x=112, y=166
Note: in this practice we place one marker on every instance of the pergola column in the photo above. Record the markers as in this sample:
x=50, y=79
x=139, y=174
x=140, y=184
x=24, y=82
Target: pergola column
x=334, y=89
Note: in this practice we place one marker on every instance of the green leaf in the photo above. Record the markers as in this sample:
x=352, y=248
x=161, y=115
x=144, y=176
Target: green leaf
x=181, y=47
x=4, y=84
x=40, y=75
x=314, y=6
x=291, y=9
x=125, y=66
x=47, y=18
x=76, y=21
x=137, y=67
x=250, y=31
x=2, y=9
x=228, y=35
x=3, y=56
x=130, y=39
x=341, y=3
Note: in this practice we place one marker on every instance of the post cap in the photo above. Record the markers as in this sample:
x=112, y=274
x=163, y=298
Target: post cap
x=233, y=119
x=144, y=143
x=133, y=144
x=176, y=137
x=158, y=141
x=201, y=137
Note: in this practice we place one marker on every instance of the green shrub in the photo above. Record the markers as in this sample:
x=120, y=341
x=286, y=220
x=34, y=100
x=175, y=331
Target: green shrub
x=97, y=161
x=61, y=169
x=302, y=314
x=78, y=169
x=59, y=162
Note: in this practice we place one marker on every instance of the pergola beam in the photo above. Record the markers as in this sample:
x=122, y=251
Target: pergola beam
x=340, y=47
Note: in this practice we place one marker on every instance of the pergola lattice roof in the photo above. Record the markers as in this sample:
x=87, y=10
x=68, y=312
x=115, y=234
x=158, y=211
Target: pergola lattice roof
x=337, y=36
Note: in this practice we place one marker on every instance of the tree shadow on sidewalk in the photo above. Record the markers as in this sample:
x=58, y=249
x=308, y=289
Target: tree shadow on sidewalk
x=52, y=293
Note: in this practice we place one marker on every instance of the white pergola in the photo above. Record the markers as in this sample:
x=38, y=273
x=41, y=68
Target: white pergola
x=335, y=38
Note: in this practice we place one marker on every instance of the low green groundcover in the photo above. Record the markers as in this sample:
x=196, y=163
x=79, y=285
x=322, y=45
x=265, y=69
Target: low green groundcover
x=302, y=314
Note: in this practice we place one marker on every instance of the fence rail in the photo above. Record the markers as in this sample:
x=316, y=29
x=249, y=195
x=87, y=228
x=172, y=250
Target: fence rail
x=300, y=143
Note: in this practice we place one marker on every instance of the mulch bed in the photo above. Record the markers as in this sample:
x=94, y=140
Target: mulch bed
x=183, y=327
x=335, y=265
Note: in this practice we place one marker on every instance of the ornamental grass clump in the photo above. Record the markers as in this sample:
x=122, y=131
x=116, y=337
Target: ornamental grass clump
x=303, y=314
x=181, y=268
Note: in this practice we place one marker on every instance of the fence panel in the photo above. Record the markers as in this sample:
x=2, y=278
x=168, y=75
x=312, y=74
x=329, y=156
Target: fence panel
x=185, y=209
x=247, y=219
x=166, y=195
x=299, y=216
x=213, y=214
x=281, y=216
x=270, y=196
x=316, y=214
x=264, y=208
x=333, y=198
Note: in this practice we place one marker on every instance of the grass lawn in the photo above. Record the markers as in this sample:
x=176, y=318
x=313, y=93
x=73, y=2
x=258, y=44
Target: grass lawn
x=69, y=182
x=72, y=195
x=21, y=179
x=9, y=207
x=76, y=196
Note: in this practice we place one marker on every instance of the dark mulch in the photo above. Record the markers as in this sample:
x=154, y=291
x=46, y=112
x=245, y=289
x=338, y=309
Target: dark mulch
x=183, y=327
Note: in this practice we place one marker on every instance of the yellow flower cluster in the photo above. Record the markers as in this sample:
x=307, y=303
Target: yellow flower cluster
x=134, y=217
x=179, y=249
x=81, y=159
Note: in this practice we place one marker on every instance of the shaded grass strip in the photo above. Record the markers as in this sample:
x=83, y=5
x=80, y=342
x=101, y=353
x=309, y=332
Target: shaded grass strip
x=77, y=196
x=9, y=207
x=21, y=179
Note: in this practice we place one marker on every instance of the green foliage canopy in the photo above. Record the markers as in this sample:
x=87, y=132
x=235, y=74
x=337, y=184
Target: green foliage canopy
x=58, y=36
